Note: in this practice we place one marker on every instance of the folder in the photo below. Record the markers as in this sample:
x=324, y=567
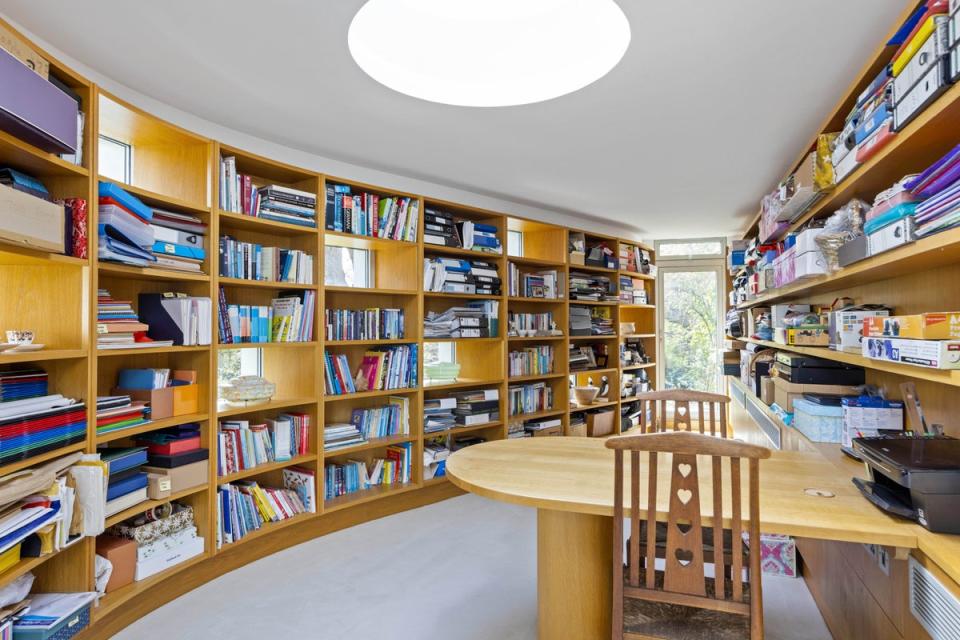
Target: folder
x=142, y=379
x=126, y=484
x=129, y=202
x=176, y=236
x=179, y=250
x=119, y=223
x=184, y=320
x=120, y=459
x=113, y=249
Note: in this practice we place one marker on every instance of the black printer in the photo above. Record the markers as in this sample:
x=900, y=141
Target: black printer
x=915, y=477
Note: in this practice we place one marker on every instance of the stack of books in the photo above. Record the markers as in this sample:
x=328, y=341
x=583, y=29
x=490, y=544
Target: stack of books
x=438, y=414
x=453, y=275
x=515, y=430
x=289, y=318
x=369, y=214
x=532, y=426
x=580, y=321
x=530, y=361
x=251, y=261
x=633, y=258
x=545, y=284
x=356, y=475
x=245, y=506
x=601, y=322
x=239, y=194
x=591, y=287
x=341, y=434
x=35, y=424
x=241, y=445
x=435, y=455
x=127, y=484
x=118, y=326
x=123, y=228
x=529, y=398
x=538, y=323
x=392, y=419
x=626, y=289
x=476, y=320
x=364, y=324
x=20, y=384
x=115, y=413
x=380, y=369
x=179, y=240
x=582, y=358
x=477, y=407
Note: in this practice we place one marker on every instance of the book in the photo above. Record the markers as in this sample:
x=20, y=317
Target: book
x=370, y=214
x=364, y=324
x=252, y=261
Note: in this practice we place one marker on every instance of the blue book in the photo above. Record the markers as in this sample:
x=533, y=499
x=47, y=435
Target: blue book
x=120, y=459
x=127, y=201
x=125, y=485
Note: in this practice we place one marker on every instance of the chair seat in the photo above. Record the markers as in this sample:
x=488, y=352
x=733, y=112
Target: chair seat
x=665, y=620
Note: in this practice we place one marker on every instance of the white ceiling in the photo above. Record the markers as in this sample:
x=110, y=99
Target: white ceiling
x=709, y=105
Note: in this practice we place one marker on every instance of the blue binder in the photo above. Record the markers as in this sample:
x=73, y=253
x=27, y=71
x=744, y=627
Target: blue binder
x=130, y=202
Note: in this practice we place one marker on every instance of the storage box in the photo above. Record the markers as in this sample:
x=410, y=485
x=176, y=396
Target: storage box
x=34, y=110
x=923, y=326
x=810, y=264
x=846, y=327
x=549, y=431
x=891, y=236
x=853, y=251
x=578, y=430
x=578, y=257
x=185, y=477
x=188, y=549
x=804, y=190
x=809, y=336
x=29, y=221
x=820, y=423
x=122, y=554
x=144, y=531
x=44, y=620
x=599, y=424
x=170, y=401
x=809, y=370
x=158, y=486
x=16, y=47
x=786, y=392
x=767, y=390
x=867, y=416
x=934, y=354
x=778, y=312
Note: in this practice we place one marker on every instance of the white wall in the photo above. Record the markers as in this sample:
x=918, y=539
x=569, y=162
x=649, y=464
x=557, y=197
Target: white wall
x=323, y=164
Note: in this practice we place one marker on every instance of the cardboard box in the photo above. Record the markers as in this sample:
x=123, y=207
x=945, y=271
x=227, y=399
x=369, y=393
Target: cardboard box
x=599, y=424
x=16, y=47
x=809, y=337
x=923, y=326
x=785, y=393
x=578, y=257
x=549, y=431
x=183, y=552
x=170, y=401
x=184, y=477
x=767, y=391
x=846, y=327
x=122, y=554
x=933, y=354
x=28, y=221
x=158, y=486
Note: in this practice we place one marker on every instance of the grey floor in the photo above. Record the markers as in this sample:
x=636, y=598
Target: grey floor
x=462, y=569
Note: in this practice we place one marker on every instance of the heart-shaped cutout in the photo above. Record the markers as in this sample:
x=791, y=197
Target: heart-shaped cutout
x=684, y=495
x=683, y=556
x=684, y=469
x=684, y=526
x=682, y=411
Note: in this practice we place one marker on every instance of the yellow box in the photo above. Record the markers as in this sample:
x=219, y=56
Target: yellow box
x=9, y=557
x=168, y=402
x=809, y=337
x=921, y=326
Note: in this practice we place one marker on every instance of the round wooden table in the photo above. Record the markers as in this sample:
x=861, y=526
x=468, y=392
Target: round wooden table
x=570, y=483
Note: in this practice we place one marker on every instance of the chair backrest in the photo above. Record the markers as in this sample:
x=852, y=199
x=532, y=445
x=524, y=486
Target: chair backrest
x=684, y=580
x=711, y=411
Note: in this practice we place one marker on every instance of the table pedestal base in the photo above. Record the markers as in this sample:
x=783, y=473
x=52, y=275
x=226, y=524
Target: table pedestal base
x=574, y=575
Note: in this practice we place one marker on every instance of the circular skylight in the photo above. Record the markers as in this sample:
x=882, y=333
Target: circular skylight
x=488, y=53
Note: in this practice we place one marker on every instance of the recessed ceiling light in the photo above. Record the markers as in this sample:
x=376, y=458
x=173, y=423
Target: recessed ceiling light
x=488, y=53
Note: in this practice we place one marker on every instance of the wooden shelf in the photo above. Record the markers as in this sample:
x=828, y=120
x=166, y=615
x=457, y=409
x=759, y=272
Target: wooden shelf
x=371, y=291
x=574, y=408
x=266, y=345
x=229, y=220
x=536, y=376
x=150, y=504
x=14, y=254
x=111, y=601
x=464, y=253
x=588, y=338
x=113, y=353
x=587, y=268
x=456, y=430
x=341, y=239
x=42, y=355
x=435, y=481
x=536, y=300
x=110, y=436
x=364, y=496
x=149, y=273
x=25, y=565
x=360, y=343
x=536, y=262
x=535, y=338
x=595, y=303
x=634, y=274
x=159, y=200
x=638, y=335
x=547, y=413
x=633, y=367
x=588, y=371
x=269, y=466
x=372, y=443
x=27, y=158
x=925, y=254
x=638, y=306
x=17, y=465
x=264, y=284
x=496, y=339
x=460, y=296
x=369, y=394
x=463, y=383
x=224, y=411
x=947, y=377
x=268, y=528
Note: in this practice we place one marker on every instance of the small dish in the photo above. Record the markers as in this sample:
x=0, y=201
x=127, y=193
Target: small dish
x=21, y=348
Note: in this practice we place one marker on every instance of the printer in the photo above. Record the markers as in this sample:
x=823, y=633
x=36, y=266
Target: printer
x=915, y=477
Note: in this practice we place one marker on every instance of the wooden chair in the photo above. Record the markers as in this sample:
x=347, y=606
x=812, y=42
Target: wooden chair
x=681, y=600
x=711, y=411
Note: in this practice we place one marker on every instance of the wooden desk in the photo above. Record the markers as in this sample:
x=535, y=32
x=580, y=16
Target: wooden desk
x=570, y=482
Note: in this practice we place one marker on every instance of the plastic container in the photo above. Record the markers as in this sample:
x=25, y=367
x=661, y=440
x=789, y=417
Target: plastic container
x=818, y=422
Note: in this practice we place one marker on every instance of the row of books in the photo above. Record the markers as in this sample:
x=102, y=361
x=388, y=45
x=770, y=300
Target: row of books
x=380, y=369
x=239, y=194
x=115, y=413
x=541, y=323
x=251, y=261
x=478, y=319
x=242, y=445
x=529, y=398
x=529, y=361
x=453, y=275
x=289, y=318
x=547, y=284
x=443, y=229
x=369, y=214
x=364, y=324
x=352, y=476
x=591, y=287
x=246, y=506
x=391, y=419
x=634, y=259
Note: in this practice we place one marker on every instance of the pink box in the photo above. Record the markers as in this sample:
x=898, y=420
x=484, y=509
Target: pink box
x=778, y=554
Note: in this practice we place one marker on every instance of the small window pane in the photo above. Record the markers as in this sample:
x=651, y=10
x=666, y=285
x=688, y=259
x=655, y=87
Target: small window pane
x=689, y=249
x=115, y=159
x=234, y=363
x=346, y=267
x=515, y=243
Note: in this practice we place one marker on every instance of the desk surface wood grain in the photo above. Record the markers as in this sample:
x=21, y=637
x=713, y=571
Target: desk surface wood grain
x=576, y=474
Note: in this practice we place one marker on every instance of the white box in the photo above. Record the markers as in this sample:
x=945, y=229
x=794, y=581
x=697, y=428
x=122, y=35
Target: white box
x=189, y=549
x=28, y=221
x=779, y=311
x=893, y=235
x=810, y=264
x=807, y=240
x=846, y=329
x=934, y=354
x=860, y=421
x=846, y=166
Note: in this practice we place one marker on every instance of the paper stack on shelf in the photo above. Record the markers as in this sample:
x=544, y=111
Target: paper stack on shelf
x=580, y=321
x=601, y=322
x=438, y=414
x=123, y=228
x=458, y=322
x=341, y=434
x=179, y=240
x=438, y=373
x=477, y=407
x=20, y=384
x=939, y=185
x=118, y=326
x=115, y=413
x=591, y=287
x=435, y=455
x=32, y=426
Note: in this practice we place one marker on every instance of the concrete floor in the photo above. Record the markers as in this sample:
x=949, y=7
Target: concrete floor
x=462, y=569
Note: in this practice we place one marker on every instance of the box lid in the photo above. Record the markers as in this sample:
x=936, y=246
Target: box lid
x=811, y=408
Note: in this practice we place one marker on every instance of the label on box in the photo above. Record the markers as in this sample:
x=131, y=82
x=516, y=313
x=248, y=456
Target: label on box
x=924, y=326
x=935, y=354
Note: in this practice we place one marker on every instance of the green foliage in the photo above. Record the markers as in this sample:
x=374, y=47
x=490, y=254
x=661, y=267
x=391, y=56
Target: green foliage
x=690, y=330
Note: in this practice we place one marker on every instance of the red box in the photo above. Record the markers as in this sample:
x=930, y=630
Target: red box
x=175, y=446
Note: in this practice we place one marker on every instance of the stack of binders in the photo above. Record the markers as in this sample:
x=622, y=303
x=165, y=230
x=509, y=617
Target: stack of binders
x=178, y=240
x=182, y=319
x=31, y=426
x=580, y=321
x=438, y=228
x=115, y=413
x=479, y=237
x=476, y=320
x=124, y=230
x=127, y=484
x=477, y=407
x=453, y=275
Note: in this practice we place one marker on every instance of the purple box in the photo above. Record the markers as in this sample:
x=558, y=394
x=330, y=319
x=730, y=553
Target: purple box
x=34, y=110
